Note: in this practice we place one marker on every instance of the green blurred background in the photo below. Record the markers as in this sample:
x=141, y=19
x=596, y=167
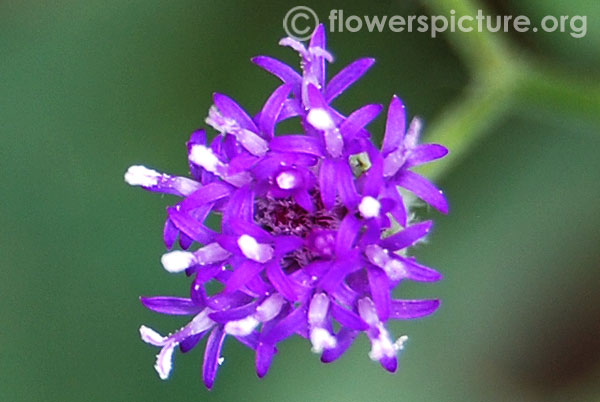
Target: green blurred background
x=88, y=88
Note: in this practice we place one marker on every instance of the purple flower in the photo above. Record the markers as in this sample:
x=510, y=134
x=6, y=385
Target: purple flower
x=313, y=228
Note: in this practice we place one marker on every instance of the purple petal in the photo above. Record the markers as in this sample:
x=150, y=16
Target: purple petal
x=346, y=236
x=423, y=189
x=286, y=327
x=257, y=287
x=197, y=137
x=344, y=339
x=190, y=342
x=170, y=233
x=209, y=193
x=317, y=268
x=291, y=108
x=191, y=227
x=229, y=242
x=210, y=254
x=297, y=143
x=285, y=244
x=280, y=280
x=229, y=146
x=264, y=357
x=334, y=143
x=418, y=272
x=242, y=274
x=372, y=234
x=399, y=210
x=230, y=109
x=241, y=162
x=425, y=153
x=348, y=76
x=212, y=356
x=233, y=314
x=197, y=293
x=303, y=198
x=407, y=237
x=372, y=180
x=171, y=305
x=358, y=120
x=335, y=276
x=318, y=41
x=345, y=295
x=270, y=111
x=279, y=69
x=242, y=227
x=240, y=205
x=389, y=363
x=345, y=185
x=223, y=301
x=315, y=98
x=409, y=309
x=252, y=142
x=249, y=340
x=205, y=273
x=380, y=291
x=327, y=182
x=348, y=318
x=395, y=126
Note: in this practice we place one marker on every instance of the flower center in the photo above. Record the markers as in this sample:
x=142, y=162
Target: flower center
x=283, y=216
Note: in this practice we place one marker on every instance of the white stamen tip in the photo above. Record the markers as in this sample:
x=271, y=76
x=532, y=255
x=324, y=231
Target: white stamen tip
x=242, y=327
x=152, y=337
x=400, y=342
x=138, y=175
x=177, y=261
x=320, y=119
x=269, y=308
x=369, y=207
x=317, y=312
x=382, y=346
x=164, y=361
x=286, y=181
x=253, y=250
x=220, y=360
x=204, y=157
x=321, y=339
x=394, y=269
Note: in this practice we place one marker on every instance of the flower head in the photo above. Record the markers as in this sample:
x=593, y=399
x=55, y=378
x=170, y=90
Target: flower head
x=304, y=239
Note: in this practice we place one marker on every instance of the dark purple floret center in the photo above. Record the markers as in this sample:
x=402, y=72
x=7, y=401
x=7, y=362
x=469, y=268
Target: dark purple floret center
x=283, y=216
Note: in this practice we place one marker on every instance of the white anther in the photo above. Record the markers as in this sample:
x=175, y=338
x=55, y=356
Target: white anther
x=321, y=339
x=253, y=250
x=320, y=119
x=394, y=269
x=205, y=157
x=286, y=181
x=269, y=308
x=177, y=261
x=382, y=346
x=369, y=207
x=138, y=175
x=400, y=342
x=242, y=327
x=152, y=337
x=317, y=312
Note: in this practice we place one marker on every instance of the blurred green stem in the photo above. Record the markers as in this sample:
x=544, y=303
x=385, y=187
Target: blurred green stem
x=501, y=77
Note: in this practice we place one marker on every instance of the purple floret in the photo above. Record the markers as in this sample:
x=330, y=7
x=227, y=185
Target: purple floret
x=314, y=229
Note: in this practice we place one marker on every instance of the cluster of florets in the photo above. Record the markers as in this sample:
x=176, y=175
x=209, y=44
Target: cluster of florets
x=314, y=226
